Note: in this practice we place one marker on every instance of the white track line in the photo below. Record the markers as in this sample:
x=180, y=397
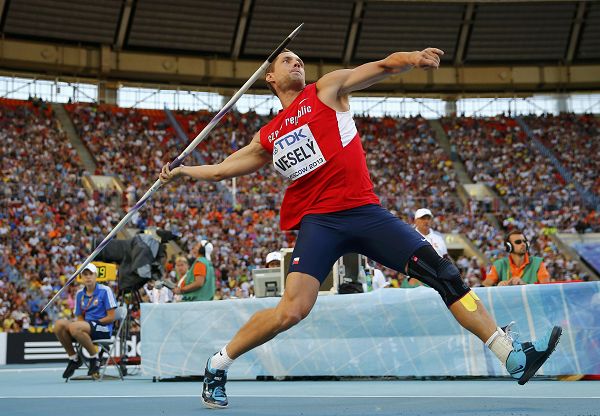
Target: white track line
x=298, y=396
x=29, y=370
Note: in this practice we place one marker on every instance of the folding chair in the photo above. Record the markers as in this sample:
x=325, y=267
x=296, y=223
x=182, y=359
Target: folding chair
x=106, y=346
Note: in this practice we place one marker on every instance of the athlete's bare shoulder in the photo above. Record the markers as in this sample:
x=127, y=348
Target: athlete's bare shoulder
x=329, y=87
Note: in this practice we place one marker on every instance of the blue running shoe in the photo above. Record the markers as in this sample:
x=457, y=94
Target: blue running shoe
x=213, y=388
x=528, y=357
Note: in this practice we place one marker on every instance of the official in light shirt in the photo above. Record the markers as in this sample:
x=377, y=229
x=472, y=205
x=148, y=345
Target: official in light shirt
x=95, y=306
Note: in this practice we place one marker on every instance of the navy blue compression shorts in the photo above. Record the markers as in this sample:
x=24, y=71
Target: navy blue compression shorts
x=370, y=230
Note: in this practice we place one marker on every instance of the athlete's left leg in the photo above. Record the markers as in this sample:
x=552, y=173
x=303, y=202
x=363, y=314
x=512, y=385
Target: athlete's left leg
x=522, y=360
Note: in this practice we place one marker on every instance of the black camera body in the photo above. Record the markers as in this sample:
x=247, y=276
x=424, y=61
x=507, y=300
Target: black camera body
x=140, y=258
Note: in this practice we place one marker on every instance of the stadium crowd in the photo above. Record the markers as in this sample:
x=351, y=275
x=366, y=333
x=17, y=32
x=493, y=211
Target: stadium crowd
x=536, y=198
x=247, y=227
x=47, y=220
x=573, y=139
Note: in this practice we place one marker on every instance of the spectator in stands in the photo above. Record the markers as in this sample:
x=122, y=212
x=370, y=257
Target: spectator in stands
x=519, y=268
x=95, y=313
x=46, y=220
x=49, y=220
x=156, y=292
x=379, y=280
x=199, y=282
x=273, y=259
x=179, y=273
x=423, y=217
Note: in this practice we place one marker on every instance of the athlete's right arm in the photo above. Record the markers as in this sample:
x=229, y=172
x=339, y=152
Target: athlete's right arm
x=248, y=159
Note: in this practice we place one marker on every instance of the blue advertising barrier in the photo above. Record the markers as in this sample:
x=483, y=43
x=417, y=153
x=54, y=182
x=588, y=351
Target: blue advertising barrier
x=390, y=332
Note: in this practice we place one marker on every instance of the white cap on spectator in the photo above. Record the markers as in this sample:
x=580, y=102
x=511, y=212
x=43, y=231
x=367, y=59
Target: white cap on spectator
x=421, y=212
x=92, y=268
x=274, y=256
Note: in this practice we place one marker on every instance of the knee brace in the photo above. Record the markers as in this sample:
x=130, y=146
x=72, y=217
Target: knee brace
x=440, y=274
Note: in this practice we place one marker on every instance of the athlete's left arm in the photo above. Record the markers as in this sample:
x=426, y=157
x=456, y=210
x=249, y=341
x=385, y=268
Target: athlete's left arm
x=336, y=85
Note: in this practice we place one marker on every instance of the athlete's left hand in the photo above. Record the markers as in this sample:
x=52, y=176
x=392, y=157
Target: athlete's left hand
x=401, y=61
x=427, y=58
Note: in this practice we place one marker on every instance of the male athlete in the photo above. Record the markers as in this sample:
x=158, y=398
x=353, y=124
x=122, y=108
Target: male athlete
x=314, y=143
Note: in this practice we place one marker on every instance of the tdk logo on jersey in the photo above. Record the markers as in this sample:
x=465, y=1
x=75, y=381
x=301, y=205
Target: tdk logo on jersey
x=297, y=153
x=289, y=139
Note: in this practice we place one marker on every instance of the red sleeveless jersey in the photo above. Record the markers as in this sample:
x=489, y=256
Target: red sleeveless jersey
x=319, y=150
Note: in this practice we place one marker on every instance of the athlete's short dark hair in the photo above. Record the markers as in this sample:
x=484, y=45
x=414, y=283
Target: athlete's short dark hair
x=271, y=67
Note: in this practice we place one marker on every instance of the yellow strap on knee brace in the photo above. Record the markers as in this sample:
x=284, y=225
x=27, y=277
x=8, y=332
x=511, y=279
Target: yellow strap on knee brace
x=468, y=301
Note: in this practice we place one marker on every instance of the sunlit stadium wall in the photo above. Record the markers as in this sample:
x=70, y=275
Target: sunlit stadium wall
x=180, y=99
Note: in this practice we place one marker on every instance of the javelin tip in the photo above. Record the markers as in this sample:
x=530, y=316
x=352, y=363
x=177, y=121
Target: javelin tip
x=296, y=31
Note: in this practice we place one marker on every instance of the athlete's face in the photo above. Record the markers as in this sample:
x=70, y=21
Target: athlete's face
x=288, y=71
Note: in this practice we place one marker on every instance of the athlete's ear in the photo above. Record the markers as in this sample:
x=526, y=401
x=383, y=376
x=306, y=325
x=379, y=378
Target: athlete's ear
x=269, y=77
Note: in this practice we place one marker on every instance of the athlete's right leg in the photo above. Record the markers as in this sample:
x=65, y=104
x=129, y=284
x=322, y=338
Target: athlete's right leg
x=299, y=297
x=320, y=243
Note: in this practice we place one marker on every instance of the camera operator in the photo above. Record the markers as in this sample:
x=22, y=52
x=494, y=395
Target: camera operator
x=199, y=282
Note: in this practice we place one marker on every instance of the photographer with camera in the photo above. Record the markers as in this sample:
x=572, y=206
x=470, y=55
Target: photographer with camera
x=95, y=306
x=199, y=282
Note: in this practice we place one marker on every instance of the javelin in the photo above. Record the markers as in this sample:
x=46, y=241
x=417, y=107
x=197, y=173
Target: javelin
x=177, y=162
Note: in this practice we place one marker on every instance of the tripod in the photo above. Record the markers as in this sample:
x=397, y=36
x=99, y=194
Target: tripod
x=131, y=299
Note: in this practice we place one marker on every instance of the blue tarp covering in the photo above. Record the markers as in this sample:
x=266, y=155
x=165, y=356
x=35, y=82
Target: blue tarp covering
x=390, y=332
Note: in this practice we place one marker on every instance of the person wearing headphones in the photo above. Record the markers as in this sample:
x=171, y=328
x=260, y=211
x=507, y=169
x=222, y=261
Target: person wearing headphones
x=519, y=268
